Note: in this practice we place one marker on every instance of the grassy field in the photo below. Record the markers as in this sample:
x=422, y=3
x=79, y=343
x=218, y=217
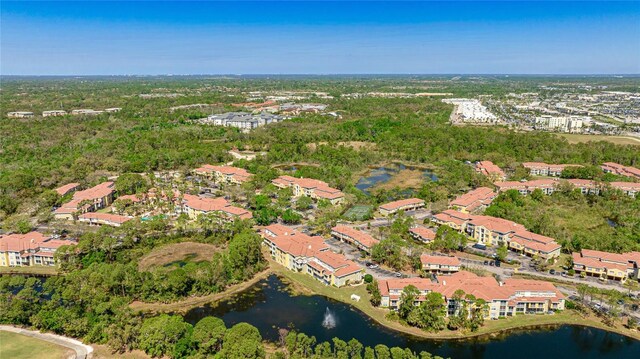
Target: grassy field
x=177, y=252
x=619, y=140
x=37, y=270
x=18, y=346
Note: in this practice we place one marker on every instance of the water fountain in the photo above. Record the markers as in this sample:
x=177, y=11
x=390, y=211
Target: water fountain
x=329, y=320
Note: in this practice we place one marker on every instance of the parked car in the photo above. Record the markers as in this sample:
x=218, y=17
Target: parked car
x=398, y=274
x=552, y=271
x=485, y=262
x=373, y=266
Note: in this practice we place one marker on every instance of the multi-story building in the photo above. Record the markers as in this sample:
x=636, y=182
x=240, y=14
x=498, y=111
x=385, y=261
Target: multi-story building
x=492, y=230
x=53, y=113
x=310, y=255
x=571, y=124
x=422, y=234
x=490, y=170
x=224, y=174
x=545, y=169
x=20, y=114
x=547, y=186
x=534, y=245
x=439, y=264
x=454, y=219
x=31, y=249
x=361, y=240
x=88, y=200
x=409, y=204
x=243, y=120
x=621, y=170
x=311, y=188
x=68, y=188
x=504, y=299
x=86, y=111
x=99, y=219
x=194, y=206
x=631, y=189
x=606, y=265
x=475, y=200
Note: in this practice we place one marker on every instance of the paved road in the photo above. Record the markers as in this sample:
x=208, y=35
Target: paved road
x=82, y=351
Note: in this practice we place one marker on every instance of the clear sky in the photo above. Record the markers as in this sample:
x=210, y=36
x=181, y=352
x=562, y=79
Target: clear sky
x=457, y=37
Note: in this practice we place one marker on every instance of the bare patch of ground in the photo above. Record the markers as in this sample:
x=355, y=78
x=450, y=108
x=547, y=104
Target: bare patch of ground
x=176, y=252
x=404, y=179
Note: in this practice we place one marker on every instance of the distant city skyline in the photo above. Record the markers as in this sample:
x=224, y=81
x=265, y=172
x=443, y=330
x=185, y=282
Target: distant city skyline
x=185, y=38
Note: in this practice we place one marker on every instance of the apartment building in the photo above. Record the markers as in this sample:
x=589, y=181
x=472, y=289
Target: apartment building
x=491, y=230
x=534, y=245
x=310, y=255
x=410, y=204
x=30, y=249
x=194, y=206
x=454, y=219
x=504, y=299
x=490, y=170
x=243, y=120
x=545, y=169
x=631, y=189
x=422, y=234
x=68, y=188
x=606, y=265
x=475, y=200
x=99, y=219
x=53, y=113
x=86, y=111
x=88, y=200
x=547, y=186
x=361, y=240
x=434, y=264
x=224, y=174
x=621, y=170
x=570, y=124
x=311, y=188
x=20, y=114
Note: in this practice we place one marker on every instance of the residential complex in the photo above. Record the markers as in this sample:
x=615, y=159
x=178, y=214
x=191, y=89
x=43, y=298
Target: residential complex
x=613, y=266
x=224, y=174
x=88, y=200
x=310, y=255
x=99, y=219
x=548, y=186
x=434, y=264
x=68, y=188
x=195, y=206
x=242, y=120
x=618, y=169
x=504, y=299
x=53, y=113
x=422, y=234
x=31, y=249
x=490, y=170
x=545, y=169
x=311, y=188
x=409, y=204
x=361, y=240
x=569, y=124
x=20, y=114
x=475, y=200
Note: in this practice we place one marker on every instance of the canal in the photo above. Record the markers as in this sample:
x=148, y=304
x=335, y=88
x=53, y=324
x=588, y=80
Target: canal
x=268, y=305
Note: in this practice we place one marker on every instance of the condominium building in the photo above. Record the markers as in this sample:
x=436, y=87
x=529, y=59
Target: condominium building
x=491, y=230
x=361, y=240
x=68, y=188
x=310, y=255
x=439, y=264
x=422, y=234
x=454, y=219
x=606, y=265
x=621, y=170
x=547, y=186
x=409, y=204
x=99, y=219
x=30, y=249
x=490, y=170
x=20, y=114
x=53, y=113
x=570, y=124
x=243, y=120
x=86, y=111
x=504, y=299
x=194, y=206
x=545, y=169
x=311, y=188
x=631, y=189
x=224, y=174
x=475, y=200
x=88, y=200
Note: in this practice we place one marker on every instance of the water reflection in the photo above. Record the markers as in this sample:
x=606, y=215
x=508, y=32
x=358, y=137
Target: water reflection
x=269, y=306
x=383, y=174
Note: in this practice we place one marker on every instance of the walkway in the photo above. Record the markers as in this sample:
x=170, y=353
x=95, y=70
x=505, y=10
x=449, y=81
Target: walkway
x=82, y=351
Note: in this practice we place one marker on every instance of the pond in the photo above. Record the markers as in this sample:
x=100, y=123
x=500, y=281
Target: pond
x=383, y=174
x=268, y=305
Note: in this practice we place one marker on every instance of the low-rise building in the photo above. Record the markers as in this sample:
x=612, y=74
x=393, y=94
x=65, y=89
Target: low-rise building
x=492, y=230
x=475, y=200
x=454, y=219
x=490, y=170
x=88, y=200
x=195, y=206
x=439, y=264
x=53, y=113
x=596, y=267
x=113, y=109
x=30, y=249
x=20, y=114
x=409, y=204
x=631, y=189
x=534, y=245
x=504, y=299
x=99, y=219
x=86, y=111
x=422, y=234
x=311, y=188
x=621, y=170
x=68, y=188
x=547, y=186
x=243, y=120
x=361, y=240
x=224, y=174
x=334, y=269
x=545, y=169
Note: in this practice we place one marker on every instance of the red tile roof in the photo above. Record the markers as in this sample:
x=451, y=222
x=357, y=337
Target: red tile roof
x=114, y=218
x=475, y=198
x=62, y=190
x=401, y=203
x=423, y=232
x=439, y=260
x=361, y=237
x=488, y=168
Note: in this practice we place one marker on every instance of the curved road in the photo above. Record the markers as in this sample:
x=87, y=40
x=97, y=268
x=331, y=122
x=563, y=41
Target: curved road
x=82, y=351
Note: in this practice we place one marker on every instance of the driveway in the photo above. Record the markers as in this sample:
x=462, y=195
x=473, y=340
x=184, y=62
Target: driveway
x=82, y=351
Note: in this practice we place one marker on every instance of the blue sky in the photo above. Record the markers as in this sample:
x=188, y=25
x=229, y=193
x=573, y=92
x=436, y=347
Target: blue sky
x=145, y=37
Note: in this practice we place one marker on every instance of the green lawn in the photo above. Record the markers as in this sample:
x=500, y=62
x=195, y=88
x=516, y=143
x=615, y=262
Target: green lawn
x=18, y=346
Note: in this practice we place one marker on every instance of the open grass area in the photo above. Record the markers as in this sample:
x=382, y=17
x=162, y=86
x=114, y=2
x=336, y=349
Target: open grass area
x=18, y=346
x=176, y=252
x=36, y=270
x=618, y=140
x=403, y=179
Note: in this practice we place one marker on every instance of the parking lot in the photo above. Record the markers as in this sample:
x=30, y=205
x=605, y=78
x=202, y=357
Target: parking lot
x=354, y=255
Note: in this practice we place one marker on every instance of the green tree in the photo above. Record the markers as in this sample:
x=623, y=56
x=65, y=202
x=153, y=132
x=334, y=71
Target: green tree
x=159, y=335
x=208, y=335
x=131, y=183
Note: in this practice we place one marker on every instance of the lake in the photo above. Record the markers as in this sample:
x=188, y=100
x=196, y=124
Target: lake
x=383, y=174
x=268, y=305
